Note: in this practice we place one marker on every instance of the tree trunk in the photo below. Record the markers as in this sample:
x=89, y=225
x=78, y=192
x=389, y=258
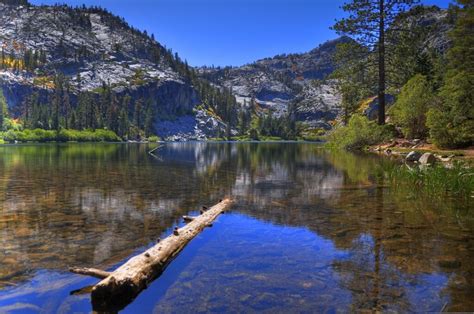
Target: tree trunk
x=121, y=286
x=381, y=59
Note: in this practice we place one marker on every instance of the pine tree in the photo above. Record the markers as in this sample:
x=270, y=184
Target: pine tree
x=368, y=23
x=112, y=113
x=2, y=118
x=66, y=105
x=137, y=113
x=452, y=122
x=3, y=110
x=149, y=119
x=123, y=124
x=57, y=102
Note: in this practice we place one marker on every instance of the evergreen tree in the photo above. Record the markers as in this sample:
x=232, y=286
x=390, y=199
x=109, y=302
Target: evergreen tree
x=137, y=113
x=410, y=54
x=56, y=102
x=244, y=120
x=149, y=119
x=66, y=105
x=3, y=110
x=451, y=123
x=123, y=124
x=112, y=113
x=409, y=111
x=368, y=23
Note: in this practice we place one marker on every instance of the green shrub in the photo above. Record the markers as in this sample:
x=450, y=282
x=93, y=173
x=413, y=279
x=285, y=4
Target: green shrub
x=10, y=124
x=153, y=139
x=409, y=111
x=64, y=135
x=359, y=133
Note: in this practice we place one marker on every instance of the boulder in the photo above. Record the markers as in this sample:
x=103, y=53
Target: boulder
x=413, y=156
x=427, y=159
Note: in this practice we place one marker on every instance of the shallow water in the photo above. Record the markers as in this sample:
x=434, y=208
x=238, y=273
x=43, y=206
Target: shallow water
x=311, y=231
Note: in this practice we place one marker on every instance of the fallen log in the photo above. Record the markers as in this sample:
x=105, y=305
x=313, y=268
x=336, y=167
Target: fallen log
x=119, y=287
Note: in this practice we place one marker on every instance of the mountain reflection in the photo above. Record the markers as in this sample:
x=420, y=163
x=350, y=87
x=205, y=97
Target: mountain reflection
x=95, y=204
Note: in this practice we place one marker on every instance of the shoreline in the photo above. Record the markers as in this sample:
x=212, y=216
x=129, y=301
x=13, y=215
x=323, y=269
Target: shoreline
x=401, y=148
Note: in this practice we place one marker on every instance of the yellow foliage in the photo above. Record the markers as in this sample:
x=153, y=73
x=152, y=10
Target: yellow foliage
x=44, y=81
x=365, y=104
x=11, y=63
x=212, y=113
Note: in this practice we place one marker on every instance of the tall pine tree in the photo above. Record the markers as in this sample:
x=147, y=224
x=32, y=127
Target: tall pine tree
x=451, y=123
x=367, y=24
x=3, y=110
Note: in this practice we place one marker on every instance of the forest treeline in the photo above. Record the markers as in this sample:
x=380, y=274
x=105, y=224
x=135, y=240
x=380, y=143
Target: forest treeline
x=394, y=52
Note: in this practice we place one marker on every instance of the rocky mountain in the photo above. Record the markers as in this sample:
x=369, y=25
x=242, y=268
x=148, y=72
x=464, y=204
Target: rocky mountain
x=93, y=47
x=274, y=83
x=97, y=51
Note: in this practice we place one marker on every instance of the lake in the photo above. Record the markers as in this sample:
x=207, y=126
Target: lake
x=311, y=230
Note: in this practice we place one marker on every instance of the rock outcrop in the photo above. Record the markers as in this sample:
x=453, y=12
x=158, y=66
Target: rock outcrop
x=90, y=47
x=274, y=83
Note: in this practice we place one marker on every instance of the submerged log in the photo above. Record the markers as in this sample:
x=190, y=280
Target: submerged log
x=122, y=285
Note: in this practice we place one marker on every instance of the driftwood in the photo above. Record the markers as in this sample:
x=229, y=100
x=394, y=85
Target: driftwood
x=120, y=287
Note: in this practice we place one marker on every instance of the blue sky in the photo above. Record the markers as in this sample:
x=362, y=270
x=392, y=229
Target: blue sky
x=230, y=32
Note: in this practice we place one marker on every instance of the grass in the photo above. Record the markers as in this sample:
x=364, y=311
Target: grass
x=435, y=180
